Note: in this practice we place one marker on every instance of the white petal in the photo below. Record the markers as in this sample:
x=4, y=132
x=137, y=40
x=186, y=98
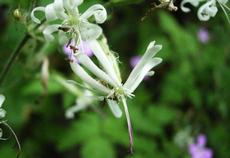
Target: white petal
x=114, y=107
x=104, y=61
x=59, y=9
x=131, y=86
x=207, y=10
x=195, y=3
x=98, y=11
x=42, y=9
x=89, y=31
x=74, y=109
x=49, y=30
x=71, y=5
x=2, y=113
x=2, y=99
x=87, y=62
x=150, y=52
x=223, y=1
x=80, y=72
x=1, y=134
x=50, y=12
x=62, y=38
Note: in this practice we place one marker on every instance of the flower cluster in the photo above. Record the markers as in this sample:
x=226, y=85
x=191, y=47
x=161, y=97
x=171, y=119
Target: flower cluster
x=208, y=8
x=102, y=78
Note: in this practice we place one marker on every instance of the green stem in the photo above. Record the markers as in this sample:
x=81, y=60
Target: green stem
x=15, y=54
x=13, y=57
x=128, y=124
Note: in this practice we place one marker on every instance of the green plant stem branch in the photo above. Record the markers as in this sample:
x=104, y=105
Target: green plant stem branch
x=15, y=54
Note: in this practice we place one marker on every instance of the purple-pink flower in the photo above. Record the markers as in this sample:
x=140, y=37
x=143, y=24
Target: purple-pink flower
x=134, y=61
x=198, y=149
x=82, y=47
x=203, y=35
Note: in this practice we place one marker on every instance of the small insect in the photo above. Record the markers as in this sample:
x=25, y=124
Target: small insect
x=73, y=48
x=65, y=29
x=168, y=4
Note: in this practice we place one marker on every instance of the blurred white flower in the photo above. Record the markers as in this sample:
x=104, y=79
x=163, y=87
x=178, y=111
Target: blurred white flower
x=71, y=24
x=82, y=102
x=2, y=111
x=208, y=8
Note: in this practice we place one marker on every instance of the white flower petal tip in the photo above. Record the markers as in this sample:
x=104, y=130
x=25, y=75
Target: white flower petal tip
x=2, y=113
x=153, y=46
x=114, y=107
x=69, y=115
x=36, y=20
x=157, y=60
x=98, y=11
x=150, y=73
x=195, y=3
x=2, y=99
x=89, y=31
x=47, y=32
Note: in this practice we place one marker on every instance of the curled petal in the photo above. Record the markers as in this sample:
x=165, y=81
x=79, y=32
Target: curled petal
x=50, y=12
x=36, y=20
x=2, y=99
x=207, y=10
x=49, y=30
x=98, y=11
x=195, y=3
x=114, y=107
x=89, y=31
x=83, y=75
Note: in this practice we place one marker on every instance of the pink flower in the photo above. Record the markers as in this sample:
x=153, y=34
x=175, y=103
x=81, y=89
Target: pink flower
x=134, y=61
x=203, y=35
x=82, y=47
x=198, y=149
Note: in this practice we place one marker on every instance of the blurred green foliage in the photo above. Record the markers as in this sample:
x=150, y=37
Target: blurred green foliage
x=190, y=88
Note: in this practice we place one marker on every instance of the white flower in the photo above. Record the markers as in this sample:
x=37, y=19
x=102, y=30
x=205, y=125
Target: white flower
x=208, y=9
x=72, y=25
x=106, y=80
x=82, y=102
x=2, y=111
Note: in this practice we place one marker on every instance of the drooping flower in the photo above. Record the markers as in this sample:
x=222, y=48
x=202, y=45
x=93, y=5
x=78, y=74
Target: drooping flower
x=208, y=8
x=71, y=24
x=107, y=81
x=2, y=111
x=198, y=149
x=203, y=35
